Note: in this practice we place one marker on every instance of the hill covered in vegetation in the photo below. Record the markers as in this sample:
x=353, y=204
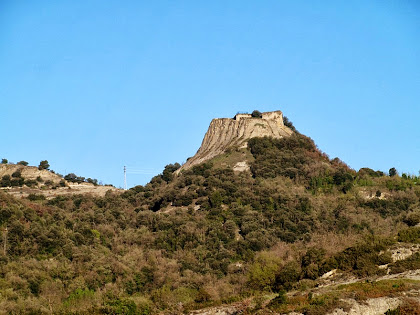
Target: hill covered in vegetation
x=213, y=235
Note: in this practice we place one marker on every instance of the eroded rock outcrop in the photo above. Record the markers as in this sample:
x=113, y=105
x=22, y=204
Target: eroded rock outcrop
x=224, y=133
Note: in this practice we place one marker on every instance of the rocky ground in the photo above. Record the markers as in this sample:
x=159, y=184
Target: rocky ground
x=58, y=185
x=70, y=189
x=334, y=280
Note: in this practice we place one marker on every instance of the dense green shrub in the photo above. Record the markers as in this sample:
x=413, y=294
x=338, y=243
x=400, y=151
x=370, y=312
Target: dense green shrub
x=17, y=174
x=410, y=235
x=289, y=157
x=289, y=124
x=116, y=305
x=365, y=171
x=410, y=263
x=287, y=276
x=17, y=182
x=71, y=177
x=5, y=181
x=389, y=207
x=44, y=165
x=202, y=169
x=34, y=197
x=167, y=174
x=412, y=219
x=392, y=171
x=256, y=114
x=89, y=180
x=31, y=183
x=279, y=300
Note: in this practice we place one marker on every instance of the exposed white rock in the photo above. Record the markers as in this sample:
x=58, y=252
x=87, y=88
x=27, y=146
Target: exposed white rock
x=220, y=310
x=241, y=167
x=376, y=306
x=328, y=274
x=401, y=253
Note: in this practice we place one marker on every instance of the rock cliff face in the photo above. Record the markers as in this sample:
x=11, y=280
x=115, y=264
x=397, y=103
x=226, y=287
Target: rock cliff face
x=224, y=133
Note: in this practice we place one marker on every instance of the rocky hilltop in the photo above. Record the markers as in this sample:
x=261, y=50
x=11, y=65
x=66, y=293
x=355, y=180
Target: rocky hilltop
x=28, y=172
x=22, y=181
x=224, y=133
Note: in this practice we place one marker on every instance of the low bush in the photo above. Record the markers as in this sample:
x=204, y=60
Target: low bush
x=34, y=197
x=410, y=235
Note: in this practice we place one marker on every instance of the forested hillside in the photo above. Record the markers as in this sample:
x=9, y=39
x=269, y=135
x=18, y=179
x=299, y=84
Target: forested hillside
x=209, y=235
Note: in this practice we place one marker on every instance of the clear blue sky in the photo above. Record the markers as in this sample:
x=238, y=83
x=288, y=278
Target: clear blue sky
x=92, y=86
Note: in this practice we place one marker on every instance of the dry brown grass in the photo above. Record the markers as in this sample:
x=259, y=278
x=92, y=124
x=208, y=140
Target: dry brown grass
x=409, y=306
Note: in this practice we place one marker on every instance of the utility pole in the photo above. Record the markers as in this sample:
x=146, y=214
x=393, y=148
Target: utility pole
x=125, y=178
